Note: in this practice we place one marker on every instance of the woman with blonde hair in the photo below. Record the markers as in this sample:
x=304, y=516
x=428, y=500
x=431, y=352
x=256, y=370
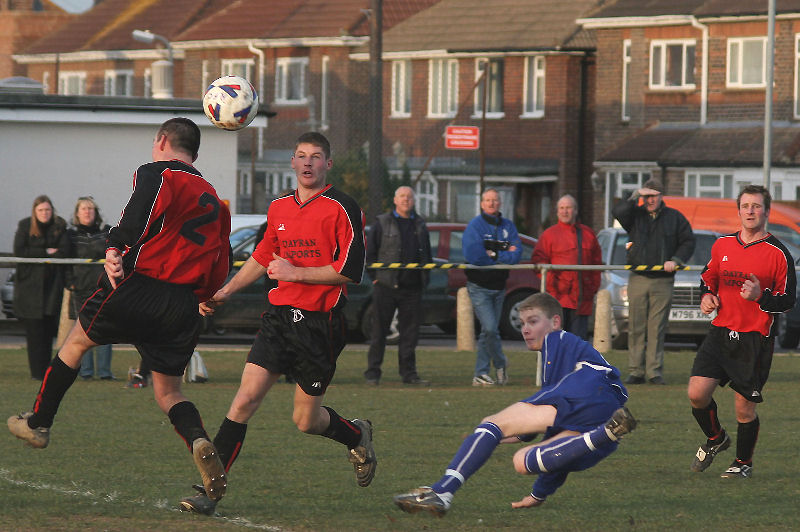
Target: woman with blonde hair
x=87, y=237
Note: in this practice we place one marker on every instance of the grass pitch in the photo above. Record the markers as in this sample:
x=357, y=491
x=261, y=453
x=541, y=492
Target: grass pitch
x=115, y=463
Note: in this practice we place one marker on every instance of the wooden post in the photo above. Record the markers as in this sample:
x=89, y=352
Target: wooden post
x=465, y=321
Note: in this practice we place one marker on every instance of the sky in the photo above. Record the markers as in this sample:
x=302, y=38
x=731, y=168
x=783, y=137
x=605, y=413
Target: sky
x=74, y=6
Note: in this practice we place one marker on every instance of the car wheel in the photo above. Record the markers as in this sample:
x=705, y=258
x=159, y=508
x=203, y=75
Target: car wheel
x=366, y=326
x=788, y=337
x=510, y=324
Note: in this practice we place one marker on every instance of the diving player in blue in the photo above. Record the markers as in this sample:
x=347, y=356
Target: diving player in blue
x=580, y=409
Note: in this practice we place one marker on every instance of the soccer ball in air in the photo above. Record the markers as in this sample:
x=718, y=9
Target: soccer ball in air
x=230, y=102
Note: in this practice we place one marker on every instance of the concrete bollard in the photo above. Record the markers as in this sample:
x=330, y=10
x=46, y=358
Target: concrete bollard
x=465, y=321
x=64, y=323
x=602, y=322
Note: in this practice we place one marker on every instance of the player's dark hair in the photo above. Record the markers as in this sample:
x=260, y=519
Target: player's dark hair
x=315, y=139
x=544, y=302
x=755, y=189
x=183, y=135
x=87, y=199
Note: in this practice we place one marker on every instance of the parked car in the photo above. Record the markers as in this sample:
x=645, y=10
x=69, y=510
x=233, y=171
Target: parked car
x=787, y=325
x=686, y=321
x=243, y=310
x=7, y=296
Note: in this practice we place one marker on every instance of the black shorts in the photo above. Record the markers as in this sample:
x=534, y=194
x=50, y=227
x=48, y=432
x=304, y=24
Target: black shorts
x=160, y=319
x=302, y=344
x=743, y=359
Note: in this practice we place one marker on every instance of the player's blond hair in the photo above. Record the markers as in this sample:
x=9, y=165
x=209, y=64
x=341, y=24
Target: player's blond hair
x=544, y=302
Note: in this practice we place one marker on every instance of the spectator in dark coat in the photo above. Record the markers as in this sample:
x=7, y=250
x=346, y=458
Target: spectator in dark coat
x=38, y=288
x=87, y=238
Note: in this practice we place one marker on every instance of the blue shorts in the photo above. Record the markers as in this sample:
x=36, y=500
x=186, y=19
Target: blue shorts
x=583, y=399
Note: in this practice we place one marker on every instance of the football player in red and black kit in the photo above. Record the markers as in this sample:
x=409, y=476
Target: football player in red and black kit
x=169, y=251
x=749, y=278
x=313, y=246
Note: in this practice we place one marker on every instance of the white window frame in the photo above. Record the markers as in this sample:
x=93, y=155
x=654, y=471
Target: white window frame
x=661, y=63
x=796, y=106
x=442, y=88
x=46, y=82
x=734, y=66
x=625, y=112
x=533, y=86
x=697, y=183
x=401, y=89
x=148, y=83
x=427, y=195
x=111, y=78
x=624, y=190
x=282, y=70
x=238, y=67
x=491, y=84
x=64, y=79
x=324, y=88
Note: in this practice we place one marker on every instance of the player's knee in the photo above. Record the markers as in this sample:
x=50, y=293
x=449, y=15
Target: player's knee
x=519, y=460
x=304, y=423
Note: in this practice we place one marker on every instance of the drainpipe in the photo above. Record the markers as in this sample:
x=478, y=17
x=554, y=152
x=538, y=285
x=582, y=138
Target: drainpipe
x=260, y=54
x=704, y=69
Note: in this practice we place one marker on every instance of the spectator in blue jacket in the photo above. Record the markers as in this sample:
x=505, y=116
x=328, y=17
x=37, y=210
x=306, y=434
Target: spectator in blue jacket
x=490, y=239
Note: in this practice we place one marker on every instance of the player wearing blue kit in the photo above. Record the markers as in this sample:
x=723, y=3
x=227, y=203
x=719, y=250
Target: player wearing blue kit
x=579, y=409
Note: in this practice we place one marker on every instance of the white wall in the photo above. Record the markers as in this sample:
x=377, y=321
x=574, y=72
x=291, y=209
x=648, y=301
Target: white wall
x=69, y=158
x=67, y=153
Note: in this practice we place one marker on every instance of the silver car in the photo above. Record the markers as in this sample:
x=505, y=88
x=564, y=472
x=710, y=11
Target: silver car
x=687, y=323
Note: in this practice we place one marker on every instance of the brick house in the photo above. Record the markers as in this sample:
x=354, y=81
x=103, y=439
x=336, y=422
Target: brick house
x=296, y=53
x=538, y=127
x=682, y=97
x=22, y=22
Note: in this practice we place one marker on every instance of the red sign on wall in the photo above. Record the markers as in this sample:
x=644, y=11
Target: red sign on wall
x=462, y=138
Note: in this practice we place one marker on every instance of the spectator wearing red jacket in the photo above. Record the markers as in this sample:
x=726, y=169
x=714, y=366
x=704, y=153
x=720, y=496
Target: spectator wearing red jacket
x=570, y=242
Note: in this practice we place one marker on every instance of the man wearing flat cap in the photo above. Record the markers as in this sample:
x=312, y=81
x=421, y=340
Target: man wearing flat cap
x=660, y=238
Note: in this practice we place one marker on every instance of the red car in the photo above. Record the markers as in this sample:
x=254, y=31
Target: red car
x=446, y=244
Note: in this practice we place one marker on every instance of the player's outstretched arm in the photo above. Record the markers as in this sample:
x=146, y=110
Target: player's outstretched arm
x=528, y=501
x=250, y=271
x=280, y=269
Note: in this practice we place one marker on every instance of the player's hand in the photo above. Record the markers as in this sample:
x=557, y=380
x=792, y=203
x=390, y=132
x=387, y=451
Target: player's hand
x=528, y=501
x=207, y=307
x=709, y=303
x=281, y=269
x=113, y=267
x=751, y=289
x=670, y=266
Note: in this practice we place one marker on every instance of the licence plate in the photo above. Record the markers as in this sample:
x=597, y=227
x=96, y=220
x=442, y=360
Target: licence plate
x=680, y=314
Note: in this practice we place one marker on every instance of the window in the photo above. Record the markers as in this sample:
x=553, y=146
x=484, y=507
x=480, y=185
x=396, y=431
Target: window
x=494, y=87
x=427, y=195
x=747, y=62
x=401, y=89
x=626, y=79
x=323, y=96
x=672, y=64
x=239, y=67
x=118, y=83
x=709, y=185
x=290, y=80
x=46, y=82
x=443, y=88
x=797, y=75
x=624, y=182
x=148, y=83
x=72, y=83
x=533, y=105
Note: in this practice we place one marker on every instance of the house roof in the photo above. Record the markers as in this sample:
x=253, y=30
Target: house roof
x=716, y=145
x=698, y=8
x=298, y=18
x=109, y=24
x=499, y=25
